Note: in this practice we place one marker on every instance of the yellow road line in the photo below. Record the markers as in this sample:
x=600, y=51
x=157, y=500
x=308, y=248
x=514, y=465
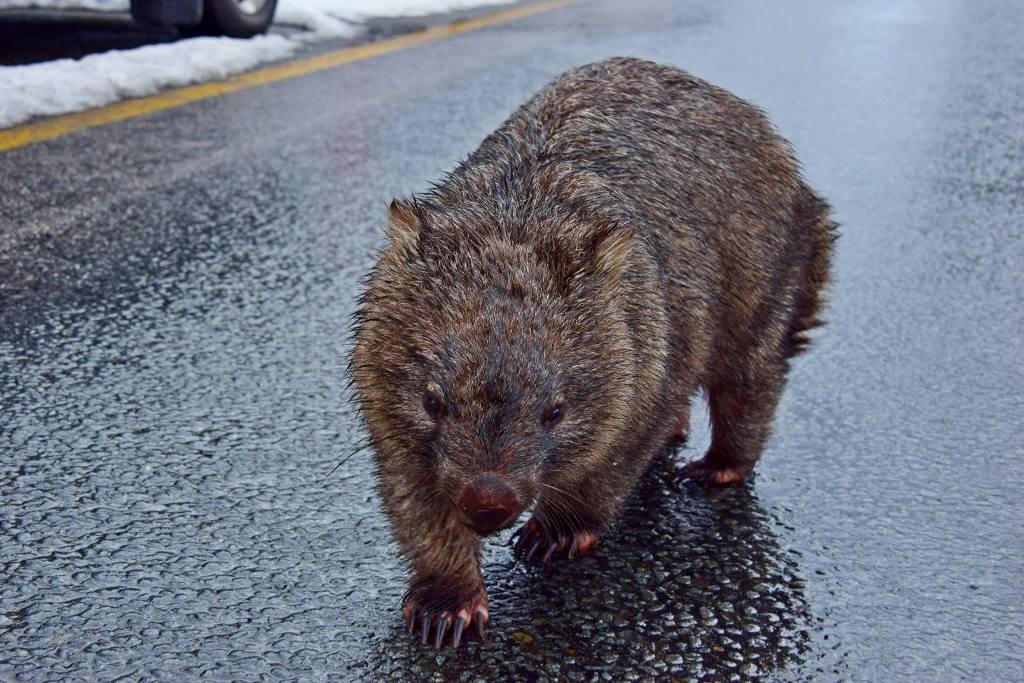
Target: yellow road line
x=30, y=133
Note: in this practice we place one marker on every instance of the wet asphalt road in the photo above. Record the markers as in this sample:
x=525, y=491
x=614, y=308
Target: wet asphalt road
x=175, y=302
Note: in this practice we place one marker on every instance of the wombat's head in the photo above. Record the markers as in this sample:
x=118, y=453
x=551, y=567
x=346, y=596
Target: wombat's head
x=490, y=367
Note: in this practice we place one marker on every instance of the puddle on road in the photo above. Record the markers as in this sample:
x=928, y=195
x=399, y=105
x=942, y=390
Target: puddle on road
x=692, y=583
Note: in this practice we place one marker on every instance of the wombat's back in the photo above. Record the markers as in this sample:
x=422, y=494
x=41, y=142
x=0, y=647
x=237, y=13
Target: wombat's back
x=705, y=180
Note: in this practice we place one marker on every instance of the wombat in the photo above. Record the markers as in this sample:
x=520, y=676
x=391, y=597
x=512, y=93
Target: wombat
x=538, y=322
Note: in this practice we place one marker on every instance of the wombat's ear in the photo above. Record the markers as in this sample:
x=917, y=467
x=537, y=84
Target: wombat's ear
x=611, y=251
x=403, y=224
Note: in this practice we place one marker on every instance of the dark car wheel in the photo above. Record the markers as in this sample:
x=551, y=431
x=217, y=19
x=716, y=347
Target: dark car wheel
x=238, y=18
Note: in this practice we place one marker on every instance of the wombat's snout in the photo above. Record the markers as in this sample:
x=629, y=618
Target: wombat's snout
x=489, y=503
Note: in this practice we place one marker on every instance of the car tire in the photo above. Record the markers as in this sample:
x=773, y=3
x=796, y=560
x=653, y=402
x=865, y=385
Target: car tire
x=237, y=18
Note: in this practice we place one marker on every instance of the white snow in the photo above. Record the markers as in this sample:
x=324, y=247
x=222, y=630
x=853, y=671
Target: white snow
x=68, y=85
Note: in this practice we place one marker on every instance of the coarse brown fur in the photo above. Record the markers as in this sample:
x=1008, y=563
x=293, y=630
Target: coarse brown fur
x=546, y=313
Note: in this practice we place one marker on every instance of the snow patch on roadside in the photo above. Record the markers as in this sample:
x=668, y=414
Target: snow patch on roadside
x=69, y=85
x=361, y=10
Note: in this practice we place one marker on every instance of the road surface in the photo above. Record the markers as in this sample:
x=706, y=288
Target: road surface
x=173, y=329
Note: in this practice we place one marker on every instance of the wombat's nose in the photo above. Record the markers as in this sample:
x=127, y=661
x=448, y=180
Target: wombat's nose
x=489, y=503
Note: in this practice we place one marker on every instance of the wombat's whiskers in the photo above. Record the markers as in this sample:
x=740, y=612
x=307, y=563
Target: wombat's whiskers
x=564, y=493
x=345, y=458
x=565, y=513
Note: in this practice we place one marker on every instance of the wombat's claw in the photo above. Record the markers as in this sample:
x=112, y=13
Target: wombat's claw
x=531, y=537
x=709, y=472
x=680, y=435
x=438, y=624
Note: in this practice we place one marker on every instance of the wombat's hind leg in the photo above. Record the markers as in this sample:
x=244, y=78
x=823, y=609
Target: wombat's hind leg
x=741, y=419
x=710, y=471
x=534, y=540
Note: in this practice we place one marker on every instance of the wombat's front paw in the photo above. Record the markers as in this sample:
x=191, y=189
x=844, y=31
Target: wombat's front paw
x=709, y=471
x=532, y=538
x=437, y=606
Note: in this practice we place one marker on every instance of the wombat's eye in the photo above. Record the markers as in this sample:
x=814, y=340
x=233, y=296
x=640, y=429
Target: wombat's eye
x=433, y=405
x=552, y=415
